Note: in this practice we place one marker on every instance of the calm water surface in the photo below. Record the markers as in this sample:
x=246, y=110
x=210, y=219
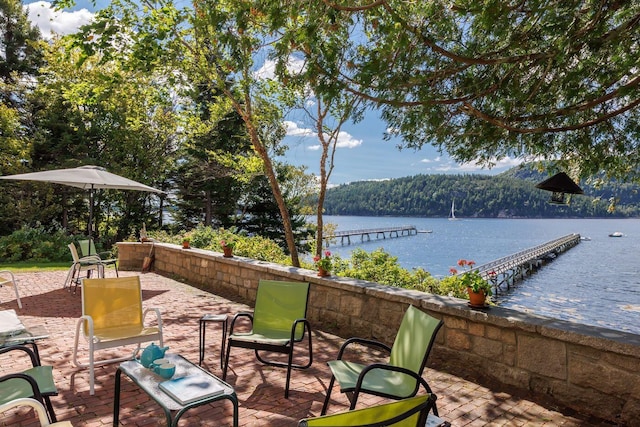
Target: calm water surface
x=596, y=283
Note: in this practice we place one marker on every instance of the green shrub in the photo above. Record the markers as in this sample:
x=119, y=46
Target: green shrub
x=39, y=243
x=202, y=237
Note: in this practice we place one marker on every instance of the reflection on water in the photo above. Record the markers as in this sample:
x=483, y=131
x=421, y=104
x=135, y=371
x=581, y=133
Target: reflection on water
x=597, y=282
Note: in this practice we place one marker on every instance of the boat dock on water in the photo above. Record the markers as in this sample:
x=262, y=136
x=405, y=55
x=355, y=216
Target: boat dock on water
x=505, y=272
x=365, y=234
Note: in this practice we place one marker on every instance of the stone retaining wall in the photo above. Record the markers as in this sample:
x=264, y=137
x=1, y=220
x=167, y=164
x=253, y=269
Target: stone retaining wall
x=590, y=369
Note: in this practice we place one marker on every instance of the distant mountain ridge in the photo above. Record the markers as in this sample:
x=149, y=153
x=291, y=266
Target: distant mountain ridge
x=511, y=194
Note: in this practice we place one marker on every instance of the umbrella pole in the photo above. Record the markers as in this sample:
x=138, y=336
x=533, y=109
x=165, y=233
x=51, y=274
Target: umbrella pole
x=91, y=194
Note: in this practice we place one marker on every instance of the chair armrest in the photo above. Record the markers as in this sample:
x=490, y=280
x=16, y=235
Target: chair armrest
x=80, y=323
x=32, y=355
x=363, y=341
x=90, y=258
x=158, y=317
x=307, y=327
x=239, y=316
x=387, y=367
x=37, y=406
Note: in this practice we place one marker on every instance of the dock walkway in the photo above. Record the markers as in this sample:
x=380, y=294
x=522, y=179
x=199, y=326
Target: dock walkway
x=506, y=271
x=405, y=230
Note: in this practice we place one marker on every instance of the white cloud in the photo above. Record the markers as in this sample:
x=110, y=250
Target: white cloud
x=44, y=16
x=345, y=139
x=294, y=130
x=268, y=69
x=436, y=160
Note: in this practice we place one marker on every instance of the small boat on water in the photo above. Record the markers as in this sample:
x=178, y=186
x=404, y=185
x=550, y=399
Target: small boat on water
x=616, y=234
x=452, y=214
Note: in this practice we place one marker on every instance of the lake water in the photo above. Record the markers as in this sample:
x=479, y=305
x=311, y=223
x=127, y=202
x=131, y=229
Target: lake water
x=595, y=283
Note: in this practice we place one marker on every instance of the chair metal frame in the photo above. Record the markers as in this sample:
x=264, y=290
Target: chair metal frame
x=4, y=280
x=115, y=321
x=39, y=378
x=292, y=325
x=89, y=263
x=378, y=378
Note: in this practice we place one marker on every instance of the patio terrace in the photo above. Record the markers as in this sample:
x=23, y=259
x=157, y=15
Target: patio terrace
x=260, y=388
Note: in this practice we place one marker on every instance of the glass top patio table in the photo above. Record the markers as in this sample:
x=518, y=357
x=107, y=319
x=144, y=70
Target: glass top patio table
x=149, y=382
x=15, y=333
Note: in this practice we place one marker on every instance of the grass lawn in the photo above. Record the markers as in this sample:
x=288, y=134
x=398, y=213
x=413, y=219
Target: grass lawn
x=33, y=266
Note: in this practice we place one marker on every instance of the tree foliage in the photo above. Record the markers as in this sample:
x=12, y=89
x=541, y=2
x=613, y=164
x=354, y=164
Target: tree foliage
x=214, y=42
x=484, y=80
x=512, y=194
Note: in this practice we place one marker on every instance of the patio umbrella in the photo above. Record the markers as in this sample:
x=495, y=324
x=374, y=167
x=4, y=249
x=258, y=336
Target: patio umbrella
x=88, y=177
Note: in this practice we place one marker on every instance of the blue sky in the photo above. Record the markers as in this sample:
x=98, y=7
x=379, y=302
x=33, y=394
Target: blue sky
x=362, y=153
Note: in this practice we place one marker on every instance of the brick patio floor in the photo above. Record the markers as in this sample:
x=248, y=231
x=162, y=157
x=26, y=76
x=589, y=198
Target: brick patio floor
x=260, y=389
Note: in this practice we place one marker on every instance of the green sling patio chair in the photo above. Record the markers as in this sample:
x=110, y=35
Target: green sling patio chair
x=88, y=249
x=35, y=382
x=278, y=322
x=399, y=378
x=411, y=412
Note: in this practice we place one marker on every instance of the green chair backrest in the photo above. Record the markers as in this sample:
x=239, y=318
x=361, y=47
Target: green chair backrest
x=407, y=412
x=278, y=305
x=414, y=340
x=87, y=247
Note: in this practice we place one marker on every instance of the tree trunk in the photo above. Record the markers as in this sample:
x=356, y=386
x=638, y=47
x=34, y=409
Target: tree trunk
x=275, y=188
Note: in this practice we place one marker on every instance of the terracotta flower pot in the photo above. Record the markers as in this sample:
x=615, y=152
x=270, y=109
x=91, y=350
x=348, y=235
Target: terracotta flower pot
x=322, y=272
x=185, y=245
x=228, y=251
x=476, y=299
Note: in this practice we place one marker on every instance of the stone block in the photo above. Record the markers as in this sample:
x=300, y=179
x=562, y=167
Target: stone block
x=509, y=354
x=455, y=322
x=593, y=373
x=352, y=305
x=581, y=399
x=542, y=356
x=512, y=376
x=630, y=412
x=493, y=333
x=477, y=329
x=457, y=340
x=487, y=348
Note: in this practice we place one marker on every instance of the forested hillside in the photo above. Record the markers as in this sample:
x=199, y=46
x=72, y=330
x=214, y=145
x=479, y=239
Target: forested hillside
x=511, y=194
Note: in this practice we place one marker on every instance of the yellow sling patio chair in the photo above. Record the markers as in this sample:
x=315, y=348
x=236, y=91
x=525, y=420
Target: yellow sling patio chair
x=278, y=322
x=398, y=378
x=112, y=316
x=411, y=412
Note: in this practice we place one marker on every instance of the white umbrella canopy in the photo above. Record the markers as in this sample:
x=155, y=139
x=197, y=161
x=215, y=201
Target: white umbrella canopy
x=85, y=177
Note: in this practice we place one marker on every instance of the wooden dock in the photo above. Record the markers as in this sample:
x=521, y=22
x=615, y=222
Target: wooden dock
x=505, y=272
x=378, y=233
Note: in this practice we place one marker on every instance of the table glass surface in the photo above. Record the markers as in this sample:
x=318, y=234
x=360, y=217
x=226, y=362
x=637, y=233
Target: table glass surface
x=30, y=334
x=149, y=381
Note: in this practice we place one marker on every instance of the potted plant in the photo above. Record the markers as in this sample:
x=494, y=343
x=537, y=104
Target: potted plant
x=323, y=263
x=477, y=287
x=227, y=246
x=185, y=243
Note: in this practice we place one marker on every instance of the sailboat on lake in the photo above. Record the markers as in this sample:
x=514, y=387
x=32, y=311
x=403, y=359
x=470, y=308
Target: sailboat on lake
x=452, y=214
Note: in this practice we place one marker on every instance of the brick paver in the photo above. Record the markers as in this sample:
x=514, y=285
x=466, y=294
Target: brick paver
x=260, y=388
